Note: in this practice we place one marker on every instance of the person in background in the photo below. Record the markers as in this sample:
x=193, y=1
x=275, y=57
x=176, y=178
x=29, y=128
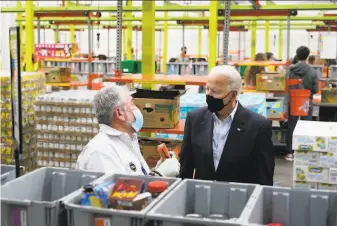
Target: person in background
x=304, y=71
x=312, y=60
x=250, y=73
x=182, y=56
x=270, y=57
x=115, y=148
x=225, y=141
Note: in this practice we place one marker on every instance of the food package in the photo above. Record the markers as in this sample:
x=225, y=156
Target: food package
x=271, y=81
x=328, y=159
x=256, y=102
x=306, y=185
x=32, y=85
x=65, y=124
x=333, y=176
x=307, y=158
x=311, y=136
x=190, y=102
x=311, y=174
x=330, y=187
x=333, y=142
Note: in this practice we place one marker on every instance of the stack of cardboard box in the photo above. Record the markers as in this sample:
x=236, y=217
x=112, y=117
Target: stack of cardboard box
x=315, y=163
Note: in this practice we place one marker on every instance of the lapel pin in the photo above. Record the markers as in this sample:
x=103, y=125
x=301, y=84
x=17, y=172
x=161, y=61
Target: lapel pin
x=238, y=129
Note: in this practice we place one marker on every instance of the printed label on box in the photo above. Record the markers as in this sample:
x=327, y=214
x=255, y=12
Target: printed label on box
x=333, y=176
x=333, y=144
x=328, y=159
x=306, y=158
x=307, y=143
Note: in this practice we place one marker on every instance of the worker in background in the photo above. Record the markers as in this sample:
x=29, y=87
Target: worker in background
x=115, y=148
x=270, y=57
x=312, y=60
x=225, y=141
x=182, y=57
x=252, y=71
x=304, y=71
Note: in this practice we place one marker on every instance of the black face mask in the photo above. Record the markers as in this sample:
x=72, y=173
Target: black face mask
x=215, y=104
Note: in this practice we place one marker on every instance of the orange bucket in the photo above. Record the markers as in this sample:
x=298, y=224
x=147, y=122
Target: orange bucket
x=299, y=102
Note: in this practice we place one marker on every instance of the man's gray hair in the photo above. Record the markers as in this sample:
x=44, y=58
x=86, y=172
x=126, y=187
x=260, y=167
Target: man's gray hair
x=106, y=100
x=234, y=78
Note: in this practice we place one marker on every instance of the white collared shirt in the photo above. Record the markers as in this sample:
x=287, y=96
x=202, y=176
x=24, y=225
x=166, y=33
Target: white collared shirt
x=112, y=151
x=220, y=134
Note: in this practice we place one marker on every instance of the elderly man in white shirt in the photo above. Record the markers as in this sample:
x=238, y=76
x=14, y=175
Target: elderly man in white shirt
x=115, y=148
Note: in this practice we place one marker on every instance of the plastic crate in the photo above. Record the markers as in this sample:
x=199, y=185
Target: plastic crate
x=292, y=207
x=87, y=216
x=333, y=71
x=202, y=197
x=35, y=199
x=7, y=173
x=179, y=68
x=200, y=68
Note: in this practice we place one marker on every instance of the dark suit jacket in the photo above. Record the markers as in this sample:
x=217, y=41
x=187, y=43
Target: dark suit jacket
x=248, y=155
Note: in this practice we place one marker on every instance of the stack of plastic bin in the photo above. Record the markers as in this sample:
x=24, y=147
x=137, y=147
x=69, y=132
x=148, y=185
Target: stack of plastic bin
x=292, y=207
x=7, y=173
x=204, y=198
x=35, y=199
x=333, y=71
x=88, y=216
x=180, y=68
x=200, y=68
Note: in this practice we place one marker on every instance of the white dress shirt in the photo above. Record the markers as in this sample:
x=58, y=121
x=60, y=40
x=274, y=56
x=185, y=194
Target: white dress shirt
x=112, y=151
x=220, y=134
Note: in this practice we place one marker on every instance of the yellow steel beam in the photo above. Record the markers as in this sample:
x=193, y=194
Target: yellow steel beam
x=129, y=33
x=199, y=41
x=72, y=38
x=266, y=38
x=148, y=37
x=56, y=36
x=19, y=4
x=189, y=18
x=280, y=41
x=253, y=41
x=29, y=36
x=177, y=8
x=212, y=34
x=125, y=44
x=165, y=43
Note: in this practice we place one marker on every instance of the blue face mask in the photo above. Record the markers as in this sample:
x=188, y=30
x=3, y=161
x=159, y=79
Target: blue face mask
x=137, y=125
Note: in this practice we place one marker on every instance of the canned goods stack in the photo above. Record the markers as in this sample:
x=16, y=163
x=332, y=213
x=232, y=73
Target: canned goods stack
x=32, y=85
x=65, y=123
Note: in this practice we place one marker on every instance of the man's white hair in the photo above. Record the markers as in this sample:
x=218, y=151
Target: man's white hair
x=233, y=76
x=106, y=100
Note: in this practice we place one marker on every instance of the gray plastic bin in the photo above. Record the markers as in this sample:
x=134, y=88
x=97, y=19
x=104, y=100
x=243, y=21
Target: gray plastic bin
x=7, y=173
x=179, y=68
x=201, y=68
x=87, y=216
x=205, y=198
x=292, y=207
x=333, y=71
x=35, y=198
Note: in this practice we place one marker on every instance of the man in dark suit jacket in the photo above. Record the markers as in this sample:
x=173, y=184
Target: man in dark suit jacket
x=225, y=141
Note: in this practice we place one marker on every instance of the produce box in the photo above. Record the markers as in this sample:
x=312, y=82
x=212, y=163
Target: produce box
x=190, y=102
x=275, y=108
x=160, y=109
x=271, y=82
x=311, y=174
x=57, y=74
x=328, y=159
x=311, y=136
x=333, y=176
x=331, y=187
x=329, y=95
x=307, y=158
x=305, y=185
x=255, y=102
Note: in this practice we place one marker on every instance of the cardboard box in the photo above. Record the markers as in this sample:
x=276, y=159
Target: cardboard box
x=328, y=159
x=306, y=185
x=275, y=108
x=329, y=95
x=333, y=143
x=311, y=136
x=57, y=74
x=307, y=158
x=160, y=109
x=271, y=81
x=333, y=176
x=311, y=174
x=330, y=187
x=148, y=148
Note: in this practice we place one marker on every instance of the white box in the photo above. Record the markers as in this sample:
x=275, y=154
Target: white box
x=333, y=176
x=306, y=158
x=328, y=159
x=306, y=185
x=331, y=187
x=333, y=143
x=311, y=136
x=311, y=174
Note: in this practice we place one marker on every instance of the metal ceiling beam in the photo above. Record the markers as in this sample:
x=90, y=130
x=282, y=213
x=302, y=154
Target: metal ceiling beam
x=322, y=29
x=188, y=18
x=173, y=8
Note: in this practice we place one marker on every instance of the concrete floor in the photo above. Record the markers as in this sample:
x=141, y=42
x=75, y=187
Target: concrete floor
x=283, y=175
